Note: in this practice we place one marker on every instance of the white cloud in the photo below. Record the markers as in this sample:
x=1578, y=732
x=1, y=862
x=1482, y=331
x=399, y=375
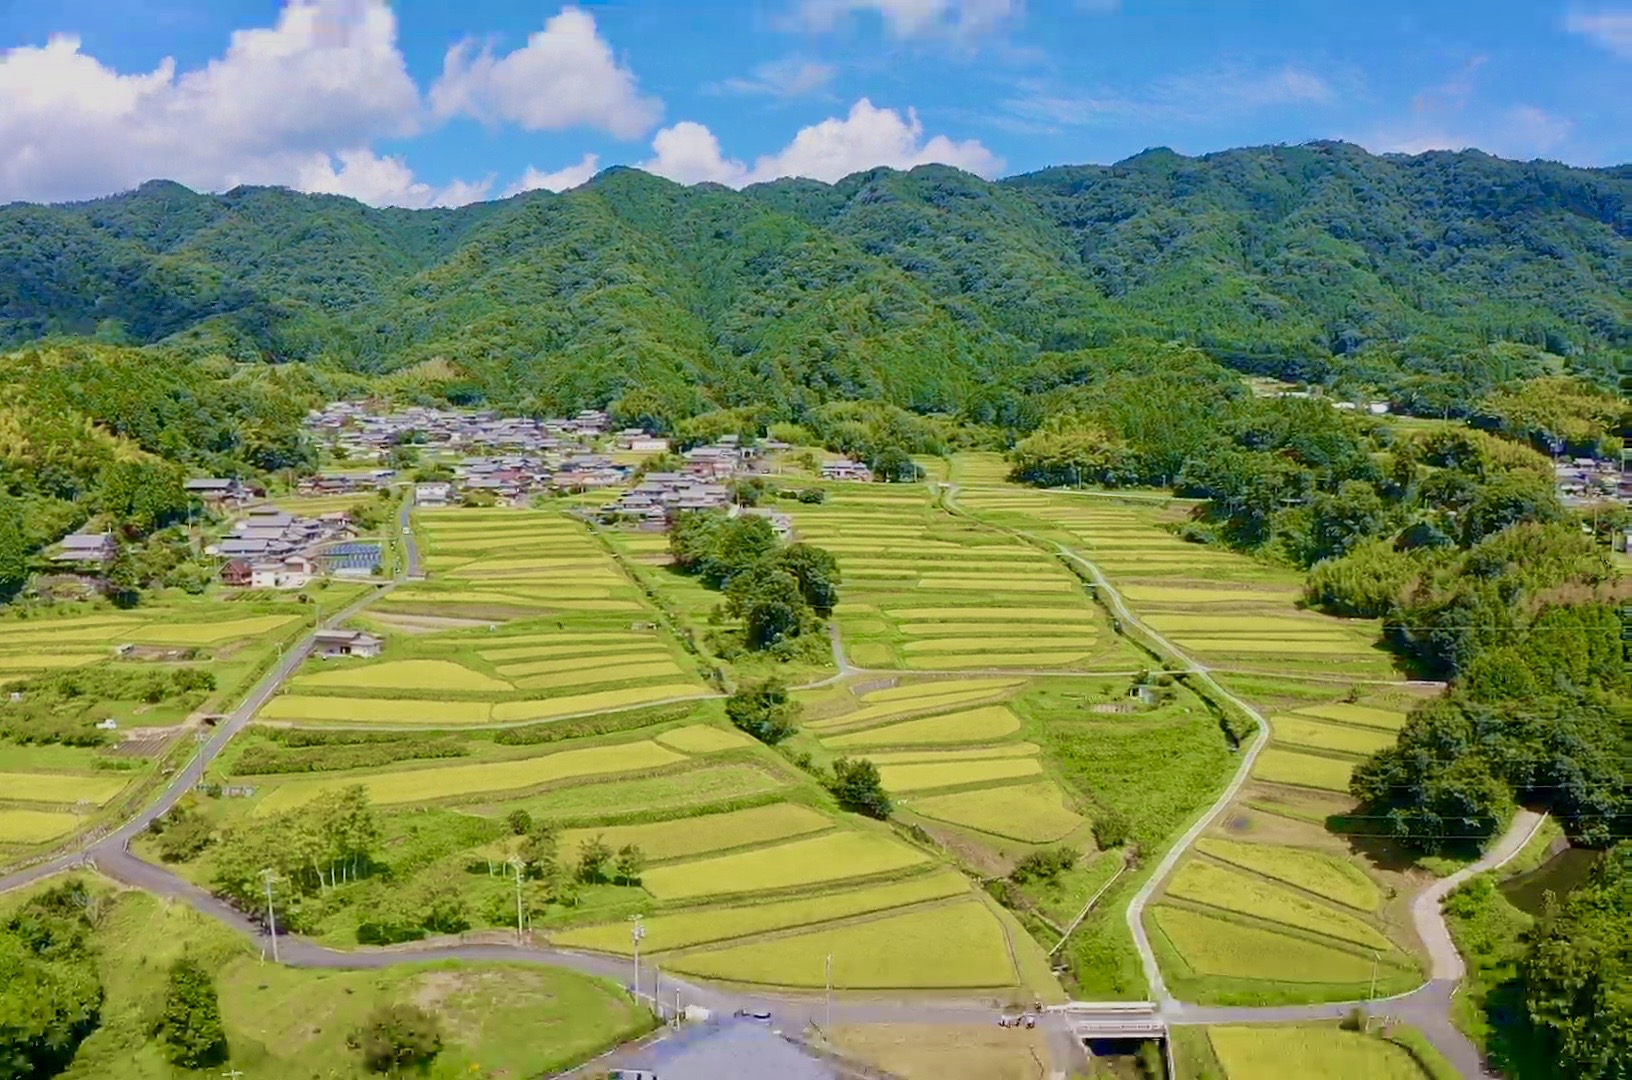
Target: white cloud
x=560, y=180
x=868, y=137
x=1196, y=97
x=786, y=78
x=382, y=181
x=912, y=18
x=1535, y=129
x=1522, y=132
x=565, y=76
x=1611, y=30
x=328, y=74
x=689, y=153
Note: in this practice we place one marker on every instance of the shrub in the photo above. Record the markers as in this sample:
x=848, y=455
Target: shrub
x=519, y=821
x=191, y=1024
x=858, y=787
x=763, y=710
x=397, y=1037
x=1044, y=865
x=1353, y=1020
x=812, y=496
x=1111, y=829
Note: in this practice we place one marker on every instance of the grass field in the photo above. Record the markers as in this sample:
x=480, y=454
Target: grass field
x=702, y=739
x=1365, y=715
x=1319, y=735
x=970, y=725
x=683, y=837
x=34, y=826
x=958, y=945
x=690, y=928
x=1204, y=883
x=426, y=785
x=801, y=862
x=1033, y=813
x=903, y=778
x=404, y=675
x=1219, y=947
x=1303, y=770
x=56, y=788
x=1265, y=1052
x=1313, y=871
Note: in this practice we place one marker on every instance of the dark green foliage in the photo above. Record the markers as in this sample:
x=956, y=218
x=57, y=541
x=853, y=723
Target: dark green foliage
x=397, y=1038
x=764, y=710
x=50, y=995
x=182, y=833
x=628, y=864
x=540, y=852
x=1112, y=829
x=1045, y=865
x=262, y=759
x=519, y=822
x=778, y=593
x=857, y=786
x=65, y=706
x=191, y=1023
x=594, y=861
x=1577, y=974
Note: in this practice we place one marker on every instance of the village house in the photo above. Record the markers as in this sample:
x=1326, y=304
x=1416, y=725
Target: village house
x=846, y=470
x=214, y=489
x=327, y=644
x=433, y=493
x=85, y=548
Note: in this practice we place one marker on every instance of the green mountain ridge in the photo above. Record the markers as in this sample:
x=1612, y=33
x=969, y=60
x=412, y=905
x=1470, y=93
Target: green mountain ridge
x=918, y=287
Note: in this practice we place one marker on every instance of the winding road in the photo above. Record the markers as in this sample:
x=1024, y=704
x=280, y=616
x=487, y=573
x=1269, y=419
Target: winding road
x=1427, y=1007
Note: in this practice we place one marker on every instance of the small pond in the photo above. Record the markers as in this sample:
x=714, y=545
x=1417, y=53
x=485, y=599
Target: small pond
x=1563, y=871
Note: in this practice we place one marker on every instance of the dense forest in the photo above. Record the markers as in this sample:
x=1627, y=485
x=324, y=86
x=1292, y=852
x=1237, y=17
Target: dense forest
x=1427, y=280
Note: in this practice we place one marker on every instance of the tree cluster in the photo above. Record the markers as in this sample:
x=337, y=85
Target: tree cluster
x=50, y=993
x=779, y=592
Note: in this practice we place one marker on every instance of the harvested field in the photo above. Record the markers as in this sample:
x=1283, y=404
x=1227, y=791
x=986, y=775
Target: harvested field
x=833, y=857
x=1303, y=770
x=1313, y=871
x=34, y=826
x=954, y=946
x=1265, y=1052
x=451, y=781
x=689, y=928
x=1317, y=735
x=1033, y=813
x=665, y=840
x=1383, y=719
x=598, y=701
x=970, y=725
x=352, y=710
x=901, y=778
x=1219, y=947
x=704, y=739
x=59, y=788
x=1203, y=883
x=405, y=675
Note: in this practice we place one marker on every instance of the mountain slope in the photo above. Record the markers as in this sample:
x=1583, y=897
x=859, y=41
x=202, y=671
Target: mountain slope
x=1317, y=261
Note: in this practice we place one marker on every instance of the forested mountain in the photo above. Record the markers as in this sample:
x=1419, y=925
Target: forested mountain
x=1427, y=278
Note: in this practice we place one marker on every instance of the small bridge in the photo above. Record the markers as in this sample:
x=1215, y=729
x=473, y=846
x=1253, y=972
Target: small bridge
x=1113, y=1019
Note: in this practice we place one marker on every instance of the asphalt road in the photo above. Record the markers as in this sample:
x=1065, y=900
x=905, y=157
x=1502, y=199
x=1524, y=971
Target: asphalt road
x=410, y=545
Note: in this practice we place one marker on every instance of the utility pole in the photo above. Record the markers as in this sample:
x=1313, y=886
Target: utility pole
x=657, y=989
x=635, y=934
x=827, y=1019
x=518, y=866
x=1371, y=994
x=270, y=876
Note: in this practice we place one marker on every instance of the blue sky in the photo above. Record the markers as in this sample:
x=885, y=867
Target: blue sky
x=420, y=103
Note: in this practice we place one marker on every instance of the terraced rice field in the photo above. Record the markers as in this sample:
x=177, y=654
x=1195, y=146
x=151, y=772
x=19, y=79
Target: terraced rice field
x=580, y=645
x=691, y=928
x=984, y=724
x=665, y=840
x=663, y=793
x=907, y=778
x=1313, y=871
x=454, y=781
x=1033, y=813
x=958, y=945
x=357, y=710
x=1318, y=735
x=1303, y=770
x=47, y=661
x=1203, y=883
x=43, y=787
x=599, y=701
x=1219, y=947
x=974, y=753
x=1364, y=715
x=1265, y=1052
x=702, y=739
x=621, y=672
x=815, y=861
x=209, y=633
x=648, y=654
x=404, y=675
x=34, y=826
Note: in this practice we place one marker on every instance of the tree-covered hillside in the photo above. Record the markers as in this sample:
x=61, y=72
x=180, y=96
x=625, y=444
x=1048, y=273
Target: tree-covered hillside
x=1427, y=278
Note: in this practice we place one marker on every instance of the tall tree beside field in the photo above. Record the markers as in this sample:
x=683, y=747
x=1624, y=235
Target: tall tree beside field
x=191, y=1023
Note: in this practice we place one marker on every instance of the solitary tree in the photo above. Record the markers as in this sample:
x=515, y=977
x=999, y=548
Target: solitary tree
x=763, y=710
x=857, y=786
x=191, y=1024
